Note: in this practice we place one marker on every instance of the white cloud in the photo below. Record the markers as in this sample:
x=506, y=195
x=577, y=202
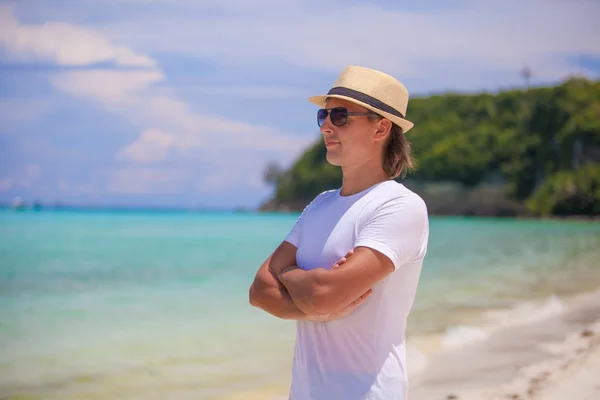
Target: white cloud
x=178, y=134
x=112, y=88
x=455, y=49
x=63, y=43
x=458, y=47
x=131, y=95
x=237, y=174
x=153, y=146
x=171, y=131
x=144, y=180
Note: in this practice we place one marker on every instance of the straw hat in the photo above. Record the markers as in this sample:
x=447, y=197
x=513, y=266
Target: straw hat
x=374, y=90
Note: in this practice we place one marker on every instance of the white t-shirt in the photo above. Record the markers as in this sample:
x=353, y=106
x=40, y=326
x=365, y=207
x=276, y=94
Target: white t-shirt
x=361, y=356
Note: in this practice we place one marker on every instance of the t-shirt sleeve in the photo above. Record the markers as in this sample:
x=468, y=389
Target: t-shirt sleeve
x=399, y=229
x=293, y=235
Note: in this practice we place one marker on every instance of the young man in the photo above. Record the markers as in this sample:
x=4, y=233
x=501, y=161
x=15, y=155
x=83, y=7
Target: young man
x=349, y=268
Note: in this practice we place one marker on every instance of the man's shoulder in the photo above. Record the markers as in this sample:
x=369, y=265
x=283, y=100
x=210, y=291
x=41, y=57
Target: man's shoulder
x=324, y=196
x=319, y=199
x=395, y=194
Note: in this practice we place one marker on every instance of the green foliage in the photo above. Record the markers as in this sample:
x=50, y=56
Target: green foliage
x=272, y=173
x=519, y=138
x=569, y=193
x=309, y=176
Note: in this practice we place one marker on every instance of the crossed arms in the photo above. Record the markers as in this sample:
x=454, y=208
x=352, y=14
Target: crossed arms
x=286, y=291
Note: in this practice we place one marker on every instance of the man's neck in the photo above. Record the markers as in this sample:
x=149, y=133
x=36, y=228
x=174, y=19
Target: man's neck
x=360, y=178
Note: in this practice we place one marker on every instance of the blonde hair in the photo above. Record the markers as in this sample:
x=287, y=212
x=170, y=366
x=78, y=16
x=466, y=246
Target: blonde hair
x=397, y=153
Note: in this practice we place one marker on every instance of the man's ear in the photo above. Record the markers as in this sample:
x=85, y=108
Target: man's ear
x=383, y=128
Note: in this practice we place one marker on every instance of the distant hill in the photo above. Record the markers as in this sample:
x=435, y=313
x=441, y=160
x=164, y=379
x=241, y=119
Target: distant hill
x=517, y=152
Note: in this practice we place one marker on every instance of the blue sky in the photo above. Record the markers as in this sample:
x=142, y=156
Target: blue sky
x=182, y=103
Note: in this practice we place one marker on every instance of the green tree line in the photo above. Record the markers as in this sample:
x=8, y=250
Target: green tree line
x=541, y=146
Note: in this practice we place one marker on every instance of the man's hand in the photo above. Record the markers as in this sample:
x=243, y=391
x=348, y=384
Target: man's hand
x=349, y=309
x=343, y=259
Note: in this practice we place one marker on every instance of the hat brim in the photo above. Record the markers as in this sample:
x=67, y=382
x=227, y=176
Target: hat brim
x=320, y=101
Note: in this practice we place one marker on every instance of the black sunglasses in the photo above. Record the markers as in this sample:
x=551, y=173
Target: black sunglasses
x=338, y=115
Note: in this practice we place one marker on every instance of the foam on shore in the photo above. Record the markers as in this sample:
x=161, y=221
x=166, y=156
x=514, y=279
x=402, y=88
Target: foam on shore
x=422, y=347
x=500, y=356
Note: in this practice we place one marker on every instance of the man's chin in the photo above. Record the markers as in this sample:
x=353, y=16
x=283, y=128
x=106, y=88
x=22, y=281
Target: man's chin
x=333, y=159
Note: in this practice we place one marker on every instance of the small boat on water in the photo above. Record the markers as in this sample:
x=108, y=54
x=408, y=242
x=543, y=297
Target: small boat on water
x=18, y=204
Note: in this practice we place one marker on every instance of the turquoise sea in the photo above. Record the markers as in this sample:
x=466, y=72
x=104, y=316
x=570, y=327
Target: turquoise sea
x=154, y=305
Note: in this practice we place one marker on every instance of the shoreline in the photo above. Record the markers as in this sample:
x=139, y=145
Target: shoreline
x=544, y=358
x=533, y=358
x=500, y=216
x=276, y=210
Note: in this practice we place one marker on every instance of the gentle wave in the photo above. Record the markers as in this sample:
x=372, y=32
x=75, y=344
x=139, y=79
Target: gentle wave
x=528, y=312
x=461, y=335
x=422, y=348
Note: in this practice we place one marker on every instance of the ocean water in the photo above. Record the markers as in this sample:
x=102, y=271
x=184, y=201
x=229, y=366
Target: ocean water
x=141, y=305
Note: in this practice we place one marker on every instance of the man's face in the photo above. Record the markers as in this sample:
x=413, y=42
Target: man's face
x=353, y=143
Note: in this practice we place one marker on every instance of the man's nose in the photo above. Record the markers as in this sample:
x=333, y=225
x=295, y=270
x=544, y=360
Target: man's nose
x=327, y=126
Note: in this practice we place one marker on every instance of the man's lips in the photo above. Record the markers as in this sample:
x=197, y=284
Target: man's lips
x=331, y=143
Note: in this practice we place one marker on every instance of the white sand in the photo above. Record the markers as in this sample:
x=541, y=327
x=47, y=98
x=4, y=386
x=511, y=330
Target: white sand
x=552, y=356
x=578, y=378
x=555, y=358
x=573, y=375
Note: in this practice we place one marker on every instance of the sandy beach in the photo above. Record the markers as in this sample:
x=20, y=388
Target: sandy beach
x=552, y=355
x=550, y=358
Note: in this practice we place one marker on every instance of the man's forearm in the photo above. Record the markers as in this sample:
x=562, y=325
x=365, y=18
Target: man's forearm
x=314, y=291
x=303, y=288
x=278, y=303
x=271, y=296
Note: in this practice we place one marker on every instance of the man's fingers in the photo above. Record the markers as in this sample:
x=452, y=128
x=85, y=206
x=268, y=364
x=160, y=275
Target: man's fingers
x=362, y=298
x=343, y=259
x=340, y=262
x=349, y=309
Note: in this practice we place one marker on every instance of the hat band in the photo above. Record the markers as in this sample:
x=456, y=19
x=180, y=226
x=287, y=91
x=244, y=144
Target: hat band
x=365, y=98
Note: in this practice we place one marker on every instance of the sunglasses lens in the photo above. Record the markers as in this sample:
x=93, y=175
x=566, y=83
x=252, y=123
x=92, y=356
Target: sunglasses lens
x=339, y=116
x=321, y=116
